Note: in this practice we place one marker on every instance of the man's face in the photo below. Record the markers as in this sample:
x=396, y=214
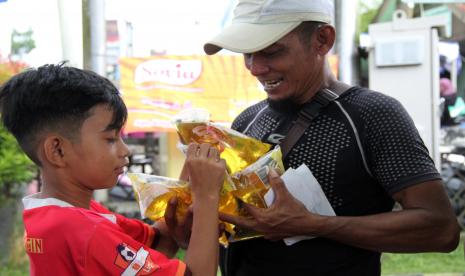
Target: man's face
x=288, y=69
x=100, y=155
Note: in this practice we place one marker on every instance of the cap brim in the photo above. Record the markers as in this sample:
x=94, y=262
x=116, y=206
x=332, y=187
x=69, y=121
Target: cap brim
x=248, y=37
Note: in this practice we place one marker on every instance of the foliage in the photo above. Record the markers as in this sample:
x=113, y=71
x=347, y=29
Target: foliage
x=424, y=262
x=22, y=42
x=15, y=167
x=367, y=12
x=9, y=68
x=180, y=254
x=16, y=262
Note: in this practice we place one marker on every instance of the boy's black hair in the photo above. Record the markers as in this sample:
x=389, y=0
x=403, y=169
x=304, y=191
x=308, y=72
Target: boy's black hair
x=55, y=98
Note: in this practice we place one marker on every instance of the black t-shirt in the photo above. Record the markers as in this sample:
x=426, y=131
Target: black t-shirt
x=362, y=148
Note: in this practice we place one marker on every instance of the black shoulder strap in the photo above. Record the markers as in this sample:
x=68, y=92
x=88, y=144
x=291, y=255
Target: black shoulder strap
x=308, y=113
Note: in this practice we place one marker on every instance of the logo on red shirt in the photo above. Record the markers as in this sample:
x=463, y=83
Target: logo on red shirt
x=134, y=262
x=33, y=245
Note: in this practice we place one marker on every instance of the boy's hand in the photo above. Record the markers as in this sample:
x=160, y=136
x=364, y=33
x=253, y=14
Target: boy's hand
x=180, y=231
x=206, y=171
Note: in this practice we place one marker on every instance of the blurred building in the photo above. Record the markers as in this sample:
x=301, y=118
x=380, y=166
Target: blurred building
x=455, y=30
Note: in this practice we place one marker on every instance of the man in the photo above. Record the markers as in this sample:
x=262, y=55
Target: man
x=362, y=148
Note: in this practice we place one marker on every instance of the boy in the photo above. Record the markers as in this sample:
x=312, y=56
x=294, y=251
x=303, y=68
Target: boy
x=68, y=121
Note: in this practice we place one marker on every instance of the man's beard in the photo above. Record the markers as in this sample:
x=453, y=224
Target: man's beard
x=285, y=105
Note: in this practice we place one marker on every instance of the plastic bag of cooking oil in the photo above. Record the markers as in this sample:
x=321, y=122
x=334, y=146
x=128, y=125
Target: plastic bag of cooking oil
x=153, y=192
x=239, y=150
x=251, y=185
x=256, y=175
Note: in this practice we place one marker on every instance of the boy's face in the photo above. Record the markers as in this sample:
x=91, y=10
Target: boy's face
x=100, y=155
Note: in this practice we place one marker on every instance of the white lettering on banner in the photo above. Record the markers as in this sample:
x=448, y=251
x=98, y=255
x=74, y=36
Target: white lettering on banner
x=142, y=123
x=168, y=71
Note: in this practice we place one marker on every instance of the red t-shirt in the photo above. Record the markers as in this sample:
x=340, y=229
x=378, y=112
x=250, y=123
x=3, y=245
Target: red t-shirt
x=61, y=239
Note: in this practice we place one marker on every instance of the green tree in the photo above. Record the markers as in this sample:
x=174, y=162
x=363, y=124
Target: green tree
x=22, y=43
x=15, y=166
x=368, y=11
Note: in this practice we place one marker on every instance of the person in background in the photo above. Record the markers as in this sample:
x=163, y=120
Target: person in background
x=362, y=147
x=447, y=92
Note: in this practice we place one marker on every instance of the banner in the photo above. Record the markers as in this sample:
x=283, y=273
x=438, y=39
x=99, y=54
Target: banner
x=156, y=88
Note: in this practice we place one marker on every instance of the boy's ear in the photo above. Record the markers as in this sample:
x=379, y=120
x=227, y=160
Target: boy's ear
x=54, y=151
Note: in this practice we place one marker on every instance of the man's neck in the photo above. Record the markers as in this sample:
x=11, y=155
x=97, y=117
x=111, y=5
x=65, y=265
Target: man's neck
x=325, y=79
x=284, y=106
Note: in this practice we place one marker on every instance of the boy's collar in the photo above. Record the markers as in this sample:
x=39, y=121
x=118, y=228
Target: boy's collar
x=34, y=201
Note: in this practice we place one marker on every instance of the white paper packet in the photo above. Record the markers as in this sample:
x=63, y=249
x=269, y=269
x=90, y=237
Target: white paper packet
x=305, y=188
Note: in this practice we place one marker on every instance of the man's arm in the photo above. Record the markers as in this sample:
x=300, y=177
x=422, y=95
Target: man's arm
x=426, y=222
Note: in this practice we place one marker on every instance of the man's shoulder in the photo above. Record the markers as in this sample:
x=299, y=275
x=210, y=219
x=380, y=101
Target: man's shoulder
x=367, y=100
x=248, y=114
x=253, y=109
x=358, y=92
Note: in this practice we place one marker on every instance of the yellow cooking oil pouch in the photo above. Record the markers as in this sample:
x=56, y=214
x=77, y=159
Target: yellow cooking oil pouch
x=153, y=193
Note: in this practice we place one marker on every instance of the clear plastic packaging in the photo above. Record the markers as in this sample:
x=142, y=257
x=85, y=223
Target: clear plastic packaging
x=153, y=192
x=248, y=162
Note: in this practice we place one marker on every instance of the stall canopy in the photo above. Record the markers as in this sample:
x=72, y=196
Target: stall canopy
x=156, y=88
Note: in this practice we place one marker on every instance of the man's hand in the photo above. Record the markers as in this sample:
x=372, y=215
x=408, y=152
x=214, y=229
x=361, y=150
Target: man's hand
x=284, y=218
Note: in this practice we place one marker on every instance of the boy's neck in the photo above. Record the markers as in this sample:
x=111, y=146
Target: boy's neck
x=75, y=195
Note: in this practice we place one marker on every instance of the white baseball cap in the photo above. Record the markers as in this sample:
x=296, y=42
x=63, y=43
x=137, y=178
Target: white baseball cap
x=259, y=23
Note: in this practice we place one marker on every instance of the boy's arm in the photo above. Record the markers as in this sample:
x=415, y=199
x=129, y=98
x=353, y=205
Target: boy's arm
x=206, y=174
x=199, y=229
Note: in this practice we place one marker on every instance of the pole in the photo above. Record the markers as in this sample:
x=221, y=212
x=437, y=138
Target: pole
x=71, y=31
x=94, y=41
x=346, y=21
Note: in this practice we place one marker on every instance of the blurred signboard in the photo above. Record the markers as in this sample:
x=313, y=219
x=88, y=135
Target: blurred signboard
x=156, y=88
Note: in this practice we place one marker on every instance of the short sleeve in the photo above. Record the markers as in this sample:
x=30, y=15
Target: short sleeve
x=135, y=228
x=246, y=116
x=396, y=152
x=111, y=252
